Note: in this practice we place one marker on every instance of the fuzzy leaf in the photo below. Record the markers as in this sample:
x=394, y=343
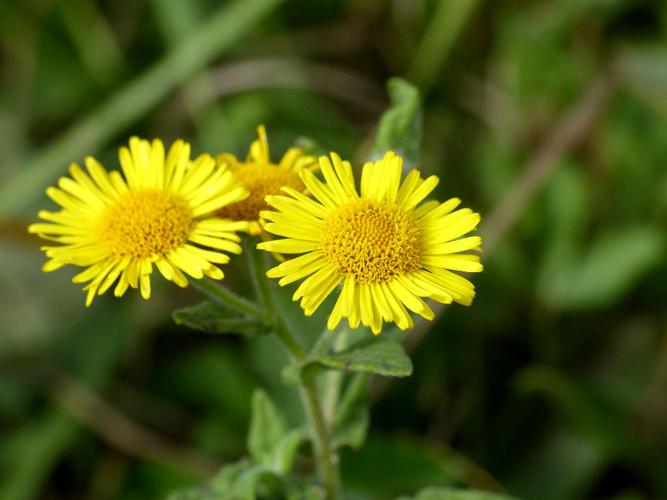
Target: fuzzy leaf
x=257, y=482
x=400, y=127
x=285, y=452
x=238, y=481
x=307, y=492
x=269, y=441
x=228, y=475
x=267, y=428
x=441, y=493
x=210, y=317
x=198, y=493
x=380, y=355
x=352, y=415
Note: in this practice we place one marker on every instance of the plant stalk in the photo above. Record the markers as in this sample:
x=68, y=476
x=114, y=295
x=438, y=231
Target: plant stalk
x=221, y=294
x=326, y=458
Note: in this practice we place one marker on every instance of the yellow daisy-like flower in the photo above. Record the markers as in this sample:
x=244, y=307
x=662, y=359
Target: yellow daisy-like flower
x=262, y=178
x=162, y=212
x=386, y=250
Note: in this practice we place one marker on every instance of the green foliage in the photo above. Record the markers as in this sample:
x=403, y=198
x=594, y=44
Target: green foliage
x=435, y=493
x=238, y=481
x=269, y=442
x=400, y=127
x=645, y=70
x=573, y=277
x=272, y=450
x=614, y=264
x=360, y=352
x=588, y=415
x=210, y=317
x=380, y=355
x=352, y=414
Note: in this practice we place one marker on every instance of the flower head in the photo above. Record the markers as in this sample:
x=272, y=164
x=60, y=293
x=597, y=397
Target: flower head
x=385, y=248
x=160, y=212
x=262, y=178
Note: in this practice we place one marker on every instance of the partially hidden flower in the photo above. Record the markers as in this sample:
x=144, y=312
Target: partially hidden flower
x=160, y=212
x=382, y=246
x=262, y=178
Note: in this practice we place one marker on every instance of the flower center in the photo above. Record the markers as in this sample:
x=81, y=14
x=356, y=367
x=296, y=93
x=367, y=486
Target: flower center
x=372, y=241
x=141, y=224
x=260, y=181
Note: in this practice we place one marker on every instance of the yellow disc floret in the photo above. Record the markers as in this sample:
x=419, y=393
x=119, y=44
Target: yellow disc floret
x=260, y=181
x=157, y=213
x=261, y=178
x=383, y=247
x=142, y=224
x=373, y=242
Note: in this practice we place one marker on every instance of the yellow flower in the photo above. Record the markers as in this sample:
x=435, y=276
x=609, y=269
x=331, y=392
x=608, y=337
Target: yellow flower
x=162, y=212
x=386, y=250
x=262, y=178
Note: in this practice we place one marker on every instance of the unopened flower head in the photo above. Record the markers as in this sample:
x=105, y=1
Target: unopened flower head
x=160, y=212
x=262, y=178
x=383, y=247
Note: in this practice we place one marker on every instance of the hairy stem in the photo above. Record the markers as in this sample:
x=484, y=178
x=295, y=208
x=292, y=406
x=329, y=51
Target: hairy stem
x=327, y=461
x=334, y=379
x=225, y=296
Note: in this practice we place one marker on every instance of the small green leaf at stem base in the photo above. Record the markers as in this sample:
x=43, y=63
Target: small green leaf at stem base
x=242, y=480
x=440, y=493
x=269, y=442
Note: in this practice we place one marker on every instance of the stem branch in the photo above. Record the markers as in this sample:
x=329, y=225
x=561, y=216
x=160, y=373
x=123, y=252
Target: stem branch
x=228, y=298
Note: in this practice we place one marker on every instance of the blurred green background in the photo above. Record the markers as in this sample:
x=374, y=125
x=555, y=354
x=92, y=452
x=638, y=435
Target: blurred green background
x=547, y=116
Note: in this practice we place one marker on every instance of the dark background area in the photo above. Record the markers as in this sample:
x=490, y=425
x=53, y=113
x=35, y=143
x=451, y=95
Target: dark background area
x=549, y=117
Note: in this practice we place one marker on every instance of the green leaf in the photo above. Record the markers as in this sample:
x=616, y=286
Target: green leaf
x=380, y=355
x=198, y=493
x=352, y=415
x=442, y=493
x=221, y=487
x=306, y=493
x=269, y=441
x=238, y=481
x=614, y=264
x=257, y=482
x=284, y=454
x=267, y=427
x=210, y=317
x=228, y=475
x=400, y=127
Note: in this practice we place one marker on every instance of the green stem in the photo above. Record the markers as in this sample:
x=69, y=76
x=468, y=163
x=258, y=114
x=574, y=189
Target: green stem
x=334, y=378
x=256, y=266
x=227, y=297
x=327, y=460
x=325, y=456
